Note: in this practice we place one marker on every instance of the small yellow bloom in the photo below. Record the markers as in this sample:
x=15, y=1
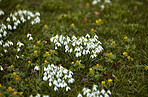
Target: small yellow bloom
x=110, y=54
x=29, y=62
x=53, y=51
x=18, y=5
x=72, y=62
x=90, y=69
x=14, y=93
x=97, y=65
x=14, y=73
x=87, y=4
x=38, y=42
x=47, y=53
x=125, y=37
x=34, y=46
x=70, y=43
x=77, y=61
x=20, y=93
x=46, y=61
x=128, y=58
x=12, y=66
x=92, y=29
x=0, y=94
x=146, y=67
x=0, y=85
x=125, y=53
x=78, y=37
x=99, y=20
x=17, y=78
x=35, y=51
x=113, y=43
x=110, y=80
x=103, y=82
x=45, y=25
x=72, y=25
x=10, y=89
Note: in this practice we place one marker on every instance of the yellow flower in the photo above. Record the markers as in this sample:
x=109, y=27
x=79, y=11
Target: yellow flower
x=47, y=53
x=29, y=62
x=113, y=43
x=72, y=62
x=72, y=25
x=46, y=61
x=0, y=94
x=20, y=93
x=103, y=82
x=97, y=21
x=125, y=37
x=97, y=65
x=92, y=29
x=18, y=5
x=70, y=43
x=0, y=85
x=34, y=46
x=110, y=54
x=90, y=69
x=53, y=51
x=87, y=4
x=38, y=42
x=11, y=66
x=146, y=67
x=77, y=61
x=17, y=78
x=45, y=25
x=14, y=93
x=128, y=58
x=110, y=80
x=78, y=37
x=35, y=51
x=14, y=73
x=10, y=89
x=125, y=53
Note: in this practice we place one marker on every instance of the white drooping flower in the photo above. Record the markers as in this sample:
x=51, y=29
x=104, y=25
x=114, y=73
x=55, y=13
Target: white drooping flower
x=94, y=92
x=20, y=44
x=1, y=12
x=58, y=76
x=36, y=68
x=1, y=68
x=80, y=46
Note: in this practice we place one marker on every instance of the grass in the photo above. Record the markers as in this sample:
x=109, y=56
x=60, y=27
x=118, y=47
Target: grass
x=121, y=18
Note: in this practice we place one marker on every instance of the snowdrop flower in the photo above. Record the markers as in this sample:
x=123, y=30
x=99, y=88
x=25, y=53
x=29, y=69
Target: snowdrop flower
x=45, y=78
x=1, y=42
x=106, y=95
x=14, y=27
x=28, y=35
x=1, y=12
x=1, y=68
x=95, y=88
x=79, y=95
x=4, y=33
x=38, y=95
x=9, y=27
x=50, y=84
x=107, y=1
x=30, y=38
x=55, y=88
x=102, y=7
x=17, y=56
x=109, y=92
x=5, y=51
x=8, y=19
x=36, y=68
x=71, y=80
x=94, y=2
x=68, y=88
x=103, y=91
x=20, y=44
x=18, y=49
x=45, y=95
